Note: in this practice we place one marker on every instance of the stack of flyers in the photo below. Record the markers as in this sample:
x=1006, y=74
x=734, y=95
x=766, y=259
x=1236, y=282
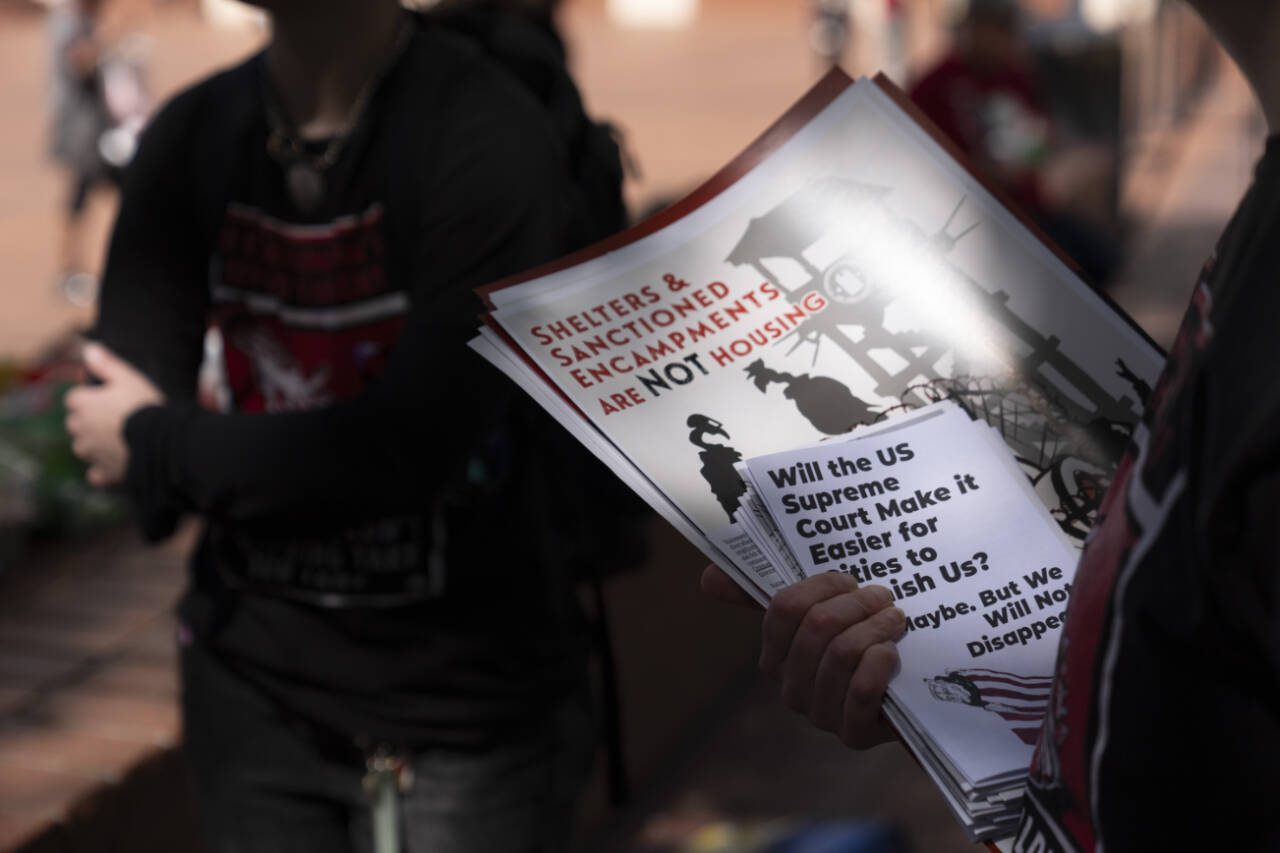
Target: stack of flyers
x=933, y=506
x=836, y=280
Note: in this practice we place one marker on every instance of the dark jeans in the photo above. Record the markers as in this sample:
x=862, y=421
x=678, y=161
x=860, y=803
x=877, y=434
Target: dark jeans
x=267, y=784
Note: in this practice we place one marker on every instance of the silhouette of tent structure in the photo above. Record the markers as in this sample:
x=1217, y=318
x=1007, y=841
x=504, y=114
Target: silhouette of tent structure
x=797, y=223
x=1084, y=409
x=801, y=220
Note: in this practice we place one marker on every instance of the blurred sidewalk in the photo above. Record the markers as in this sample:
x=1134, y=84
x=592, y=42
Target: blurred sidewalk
x=88, y=687
x=755, y=764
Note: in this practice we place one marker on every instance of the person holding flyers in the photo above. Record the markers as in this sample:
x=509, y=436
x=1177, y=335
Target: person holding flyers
x=1163, y=730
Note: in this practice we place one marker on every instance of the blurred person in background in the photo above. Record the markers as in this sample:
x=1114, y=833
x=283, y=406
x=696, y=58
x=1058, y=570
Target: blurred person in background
x=831, y=30
x=1163, y=723
x=382, y=596
x=983, y=94
x=79, y=119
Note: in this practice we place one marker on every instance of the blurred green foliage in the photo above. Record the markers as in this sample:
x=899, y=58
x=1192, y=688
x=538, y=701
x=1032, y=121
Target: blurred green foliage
x=42, y=487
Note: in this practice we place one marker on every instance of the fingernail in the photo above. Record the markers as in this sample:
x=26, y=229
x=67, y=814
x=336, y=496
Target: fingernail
x=91, y=352
x=899, y=622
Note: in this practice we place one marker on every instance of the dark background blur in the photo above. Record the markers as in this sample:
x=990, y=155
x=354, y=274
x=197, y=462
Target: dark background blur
x=1158, y=137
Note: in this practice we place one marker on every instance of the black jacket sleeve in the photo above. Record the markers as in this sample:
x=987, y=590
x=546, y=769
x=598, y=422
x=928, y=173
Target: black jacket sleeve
x=495, y=208
x=153, y=300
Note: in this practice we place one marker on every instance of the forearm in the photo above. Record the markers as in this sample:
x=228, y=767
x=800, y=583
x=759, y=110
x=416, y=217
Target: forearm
x=378, y=455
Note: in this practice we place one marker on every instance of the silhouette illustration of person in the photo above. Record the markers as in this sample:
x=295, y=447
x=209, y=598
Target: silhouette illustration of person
x=827, y=404
x=717, y=462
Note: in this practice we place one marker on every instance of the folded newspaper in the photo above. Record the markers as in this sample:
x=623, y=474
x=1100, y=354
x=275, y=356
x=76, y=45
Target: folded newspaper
x=838, y=279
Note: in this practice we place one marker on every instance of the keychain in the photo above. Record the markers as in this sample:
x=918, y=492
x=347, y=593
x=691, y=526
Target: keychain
x=387, y=776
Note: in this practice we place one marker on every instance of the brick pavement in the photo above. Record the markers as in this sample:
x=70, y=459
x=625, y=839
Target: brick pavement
x=87, y=690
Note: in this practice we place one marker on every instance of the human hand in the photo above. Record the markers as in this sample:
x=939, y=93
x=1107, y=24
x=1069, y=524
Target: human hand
x=96, y=413
x=831, y=647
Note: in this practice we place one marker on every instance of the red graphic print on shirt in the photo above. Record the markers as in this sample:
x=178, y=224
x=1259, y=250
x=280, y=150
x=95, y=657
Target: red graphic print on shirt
x=305, y=312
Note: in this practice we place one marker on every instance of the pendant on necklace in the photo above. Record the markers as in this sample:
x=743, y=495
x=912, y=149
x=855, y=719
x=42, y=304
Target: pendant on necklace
x=306, y=186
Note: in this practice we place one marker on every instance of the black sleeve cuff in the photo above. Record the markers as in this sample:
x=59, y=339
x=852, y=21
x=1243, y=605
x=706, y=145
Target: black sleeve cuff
x=150, y=434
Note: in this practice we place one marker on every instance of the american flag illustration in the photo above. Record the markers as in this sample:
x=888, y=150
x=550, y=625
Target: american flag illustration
x=1019, y=699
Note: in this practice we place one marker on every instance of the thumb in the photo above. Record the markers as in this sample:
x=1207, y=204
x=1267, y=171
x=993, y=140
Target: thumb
x=104, y=364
